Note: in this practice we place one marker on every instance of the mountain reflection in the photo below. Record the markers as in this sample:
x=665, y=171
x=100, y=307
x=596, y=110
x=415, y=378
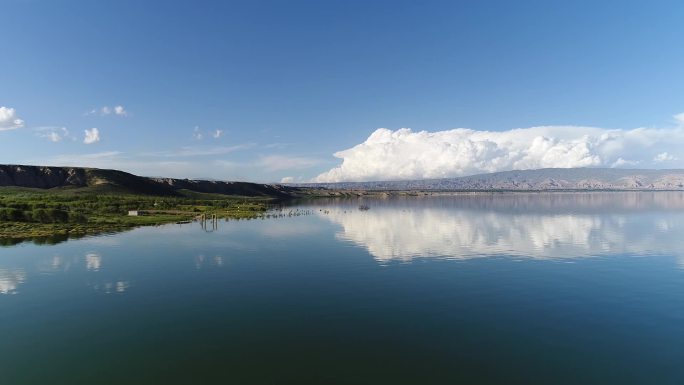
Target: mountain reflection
x=541, y=226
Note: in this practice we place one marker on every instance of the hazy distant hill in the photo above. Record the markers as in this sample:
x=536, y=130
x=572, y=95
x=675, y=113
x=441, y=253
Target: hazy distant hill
x=542, y=179
x=100, y=180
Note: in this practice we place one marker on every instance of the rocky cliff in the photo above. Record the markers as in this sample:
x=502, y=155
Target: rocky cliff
x=41, y=177
x=44, y=177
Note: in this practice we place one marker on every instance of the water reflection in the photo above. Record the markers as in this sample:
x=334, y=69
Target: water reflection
x=93, y=261
x=17, y=271
x=10, y=280
x=112, y=287
x=201, y=261
x=537, y=226
x=540, y=226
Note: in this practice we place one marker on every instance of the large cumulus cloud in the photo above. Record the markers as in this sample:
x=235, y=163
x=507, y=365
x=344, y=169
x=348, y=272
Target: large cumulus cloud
x=405, y=154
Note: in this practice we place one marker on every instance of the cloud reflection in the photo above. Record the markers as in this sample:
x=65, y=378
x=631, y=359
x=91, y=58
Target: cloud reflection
x=93, y=261
x=201, y=261
x=457, y=229
x=10, y=280
x=112, y=287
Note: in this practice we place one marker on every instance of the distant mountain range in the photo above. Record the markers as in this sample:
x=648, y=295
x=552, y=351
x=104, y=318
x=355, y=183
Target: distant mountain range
x=525, y=180
x=549, y=179
x=114, y=181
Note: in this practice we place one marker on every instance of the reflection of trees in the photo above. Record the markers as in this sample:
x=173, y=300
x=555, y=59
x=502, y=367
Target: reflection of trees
x=51, y=240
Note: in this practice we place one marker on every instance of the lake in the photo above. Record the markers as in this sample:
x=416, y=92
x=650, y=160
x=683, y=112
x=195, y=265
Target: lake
x=515, y=288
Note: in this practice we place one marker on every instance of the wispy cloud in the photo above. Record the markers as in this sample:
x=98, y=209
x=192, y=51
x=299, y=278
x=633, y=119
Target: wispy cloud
x=76, y=159
x=202, y=162
x=197, y=134
x=117, y=110
x=9, y=119
x=285, y=162
x=277, y=145
x=190, y=151
x=144, y=166
x=664, y=157
x=54, y=134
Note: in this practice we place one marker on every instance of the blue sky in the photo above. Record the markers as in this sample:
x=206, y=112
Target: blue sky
x=290, y=83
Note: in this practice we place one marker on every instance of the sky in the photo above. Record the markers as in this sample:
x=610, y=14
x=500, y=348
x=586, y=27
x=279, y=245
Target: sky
x=271, y=91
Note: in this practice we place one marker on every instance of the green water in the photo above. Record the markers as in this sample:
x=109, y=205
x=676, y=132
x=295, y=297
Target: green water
x=485, y=289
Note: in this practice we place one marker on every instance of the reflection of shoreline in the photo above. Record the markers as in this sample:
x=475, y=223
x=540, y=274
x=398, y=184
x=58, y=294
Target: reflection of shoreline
x=54, y=239
x=458, y=231
x=590, y=202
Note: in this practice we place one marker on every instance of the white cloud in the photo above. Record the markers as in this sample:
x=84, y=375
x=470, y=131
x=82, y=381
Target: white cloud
x=120, y=110
x=53, y=136
x=9, y=119
x=107, y=110
x=287, y=179
x=91, y=136
x=451, y=231
x=664, y=157
x=217, y=134
x=404, y=154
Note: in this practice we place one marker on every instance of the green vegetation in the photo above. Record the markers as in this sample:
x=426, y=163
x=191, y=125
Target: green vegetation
x=53, y=215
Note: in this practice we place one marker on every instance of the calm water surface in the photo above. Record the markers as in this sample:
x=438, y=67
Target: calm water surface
x=584, y=288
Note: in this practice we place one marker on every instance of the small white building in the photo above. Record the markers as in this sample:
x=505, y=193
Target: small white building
x=133, y=213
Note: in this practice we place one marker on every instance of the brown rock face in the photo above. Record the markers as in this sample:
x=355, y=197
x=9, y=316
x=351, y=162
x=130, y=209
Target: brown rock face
x=41, y=177
x=51, y=177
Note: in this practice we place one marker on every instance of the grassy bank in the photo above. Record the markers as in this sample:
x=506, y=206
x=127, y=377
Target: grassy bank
x=52, y=215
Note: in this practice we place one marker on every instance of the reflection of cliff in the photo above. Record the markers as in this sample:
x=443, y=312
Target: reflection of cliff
x=406, y=233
